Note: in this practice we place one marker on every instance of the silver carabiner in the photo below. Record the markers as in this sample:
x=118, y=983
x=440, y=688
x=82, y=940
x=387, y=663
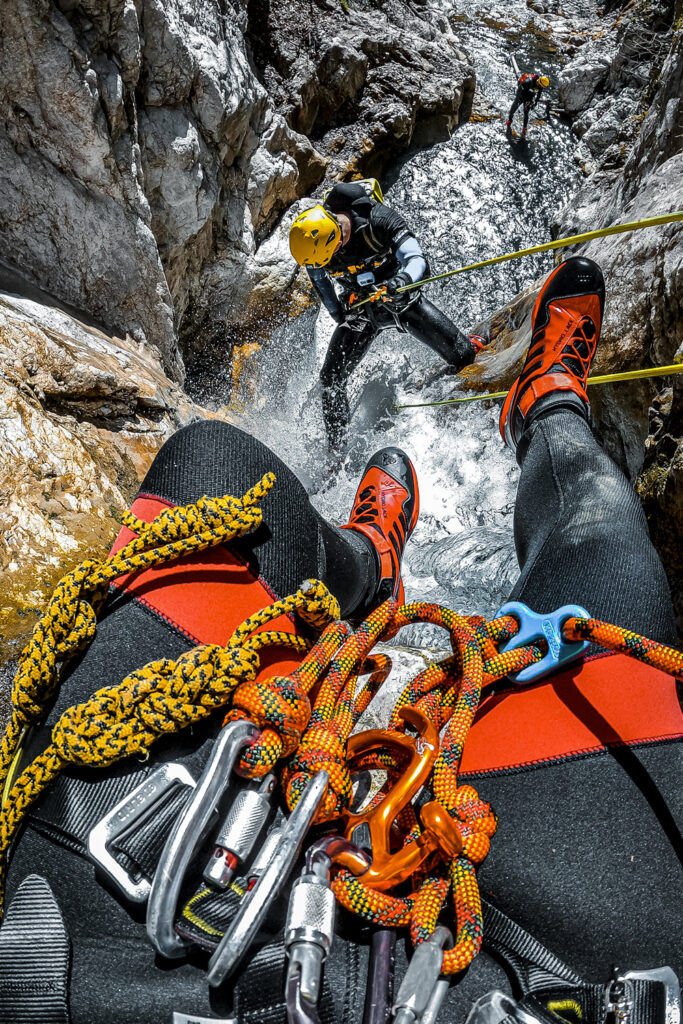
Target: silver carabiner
x=239, y=832
x=422, y=991
x=187, y=834
x=249, y=918
x=310, y=928
x=496, y=1006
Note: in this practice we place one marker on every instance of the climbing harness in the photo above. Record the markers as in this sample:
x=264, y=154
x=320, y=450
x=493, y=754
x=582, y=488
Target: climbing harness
x=558, y=243
x=605, y=378
x=393, y=865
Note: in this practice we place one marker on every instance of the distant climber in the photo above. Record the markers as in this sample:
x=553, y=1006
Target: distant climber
x=529, y=91
x=356, y=243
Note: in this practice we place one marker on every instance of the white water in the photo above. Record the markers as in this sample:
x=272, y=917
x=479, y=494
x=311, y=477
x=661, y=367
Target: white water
x=474, y=196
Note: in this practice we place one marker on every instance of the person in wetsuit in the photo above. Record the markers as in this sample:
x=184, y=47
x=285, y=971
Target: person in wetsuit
x=529, y=91
x=359, y=244
x=582, y=768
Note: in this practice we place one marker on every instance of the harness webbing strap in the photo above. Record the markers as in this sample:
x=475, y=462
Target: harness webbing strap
x=34, y=958
x=534, y=966
x=546, y=981
x=77, y=804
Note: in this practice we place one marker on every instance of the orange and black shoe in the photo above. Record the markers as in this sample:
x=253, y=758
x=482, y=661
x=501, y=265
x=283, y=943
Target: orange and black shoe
x=385, y=511
x=565, y=326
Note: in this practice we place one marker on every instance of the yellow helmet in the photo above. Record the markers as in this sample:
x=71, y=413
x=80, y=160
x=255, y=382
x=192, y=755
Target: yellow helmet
x=314, y=237
x=544, y=81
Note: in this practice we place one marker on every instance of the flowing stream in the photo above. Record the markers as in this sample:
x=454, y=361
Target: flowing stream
x=474, y=196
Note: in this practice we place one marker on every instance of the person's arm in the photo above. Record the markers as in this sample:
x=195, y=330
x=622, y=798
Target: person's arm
x=325, y=289
x=409, y=254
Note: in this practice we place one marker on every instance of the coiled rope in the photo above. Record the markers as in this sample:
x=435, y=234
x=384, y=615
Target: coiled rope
x=163, y=696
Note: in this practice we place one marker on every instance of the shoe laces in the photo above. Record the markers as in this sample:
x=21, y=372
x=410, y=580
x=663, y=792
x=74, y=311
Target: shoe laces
x=368, y=509
x=578, y=350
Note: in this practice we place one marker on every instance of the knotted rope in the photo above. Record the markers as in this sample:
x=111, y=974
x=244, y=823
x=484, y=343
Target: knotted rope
x=163, y=696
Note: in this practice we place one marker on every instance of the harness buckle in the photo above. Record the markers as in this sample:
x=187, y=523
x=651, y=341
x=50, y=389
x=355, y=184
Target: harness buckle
x=618, y=998
x=440, y=833
x=309, y=931
x=548, y=627
x=269, y=884
x=135, y=808
x=620, y=994
x=422, y=990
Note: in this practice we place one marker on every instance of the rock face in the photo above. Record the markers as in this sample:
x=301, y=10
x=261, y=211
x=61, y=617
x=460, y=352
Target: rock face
x=148, y=149
x=661, y=484
x=82, y=415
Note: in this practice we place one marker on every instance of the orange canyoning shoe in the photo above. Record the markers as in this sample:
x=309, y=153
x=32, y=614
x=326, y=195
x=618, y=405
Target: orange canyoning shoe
x=385, y=510
x=565, y=327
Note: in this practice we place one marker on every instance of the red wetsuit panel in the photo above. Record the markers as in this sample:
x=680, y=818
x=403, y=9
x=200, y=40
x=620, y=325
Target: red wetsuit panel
x=597, y=704
x=205, y=595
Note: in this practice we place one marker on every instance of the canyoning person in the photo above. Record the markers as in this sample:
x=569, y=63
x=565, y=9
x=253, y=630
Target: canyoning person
x=354, y=242
x=529, y=91
x=581, y=766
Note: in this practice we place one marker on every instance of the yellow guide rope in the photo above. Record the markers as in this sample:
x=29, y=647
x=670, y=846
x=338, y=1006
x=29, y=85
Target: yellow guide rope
x=558, y=243
x=604, y=378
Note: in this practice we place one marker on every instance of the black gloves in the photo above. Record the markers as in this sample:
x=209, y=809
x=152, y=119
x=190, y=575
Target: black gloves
x=393, y=297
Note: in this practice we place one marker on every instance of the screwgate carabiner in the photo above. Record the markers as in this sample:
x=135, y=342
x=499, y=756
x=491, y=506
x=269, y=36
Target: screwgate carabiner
x=188, y=833
x=310, y=927
x=239, y=832
x=422, y=991
x=253, y=908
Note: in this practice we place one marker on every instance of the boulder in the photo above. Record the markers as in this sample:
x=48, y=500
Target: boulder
x=82, y=415
x=580, y=79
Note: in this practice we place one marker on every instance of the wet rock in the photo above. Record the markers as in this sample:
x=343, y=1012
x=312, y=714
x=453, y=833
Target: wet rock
x=145, y=152
x=72, y=213
x=579, y=81
x=660, y=485
x=82, y=414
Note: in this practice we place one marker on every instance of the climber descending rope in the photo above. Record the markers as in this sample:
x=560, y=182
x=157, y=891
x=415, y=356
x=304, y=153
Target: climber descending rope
x=582, y=860
x=349, y=245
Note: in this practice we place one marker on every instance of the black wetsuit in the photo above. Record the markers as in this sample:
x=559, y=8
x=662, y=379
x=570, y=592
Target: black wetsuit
x=381, y=245
x=587, y=851
x=528, y=93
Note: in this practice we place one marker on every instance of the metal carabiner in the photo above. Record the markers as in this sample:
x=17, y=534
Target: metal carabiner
x=440, y=833
x=495, y=1007
x=187, y=834
x=422, y=990
x=310, y=927
x=249, y=918
x=239, y=832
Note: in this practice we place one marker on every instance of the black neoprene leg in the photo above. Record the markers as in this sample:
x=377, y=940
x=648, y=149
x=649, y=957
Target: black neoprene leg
x=581, y=535
x=527, y=110
x=295, y=542
x=345, y=352
x=516, y=104
x=432, y=327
